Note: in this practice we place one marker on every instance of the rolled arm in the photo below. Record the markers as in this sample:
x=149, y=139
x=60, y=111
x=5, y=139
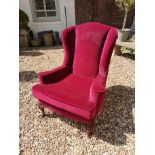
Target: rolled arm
x=54, y=75
x=97, y=86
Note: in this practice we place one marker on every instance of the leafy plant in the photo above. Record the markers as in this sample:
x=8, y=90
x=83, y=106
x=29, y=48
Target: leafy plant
x=23, y=17
x=125, y=5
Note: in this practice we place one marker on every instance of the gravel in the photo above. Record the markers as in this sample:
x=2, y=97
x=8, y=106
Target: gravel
x=54, y=135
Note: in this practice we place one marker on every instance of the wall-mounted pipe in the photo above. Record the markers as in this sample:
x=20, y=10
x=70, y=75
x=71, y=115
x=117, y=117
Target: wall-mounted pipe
x=65, y=10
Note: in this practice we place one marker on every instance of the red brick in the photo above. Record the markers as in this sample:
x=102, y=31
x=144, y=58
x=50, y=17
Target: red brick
x=104, y=11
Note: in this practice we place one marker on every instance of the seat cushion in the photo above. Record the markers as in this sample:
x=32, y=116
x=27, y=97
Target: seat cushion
x=70, y=94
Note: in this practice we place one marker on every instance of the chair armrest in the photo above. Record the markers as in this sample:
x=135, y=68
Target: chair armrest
x=54, y=75
x=97, y=86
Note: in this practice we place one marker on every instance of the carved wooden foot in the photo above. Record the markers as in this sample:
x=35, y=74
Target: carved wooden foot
x=42, y=110
x=117, y=50
x=89, y=131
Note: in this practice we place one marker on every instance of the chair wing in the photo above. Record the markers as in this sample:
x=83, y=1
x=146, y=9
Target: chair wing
x=68, y=41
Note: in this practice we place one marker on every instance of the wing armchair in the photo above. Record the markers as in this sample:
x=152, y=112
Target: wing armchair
x=76, y=89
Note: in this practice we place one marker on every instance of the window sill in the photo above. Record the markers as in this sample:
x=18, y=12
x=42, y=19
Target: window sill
x=47, y=20
x=35, y=23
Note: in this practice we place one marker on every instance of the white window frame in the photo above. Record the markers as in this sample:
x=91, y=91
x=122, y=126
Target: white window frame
x=45, y=19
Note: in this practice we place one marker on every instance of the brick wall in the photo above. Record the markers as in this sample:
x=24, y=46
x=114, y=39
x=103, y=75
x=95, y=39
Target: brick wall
x=104, y=11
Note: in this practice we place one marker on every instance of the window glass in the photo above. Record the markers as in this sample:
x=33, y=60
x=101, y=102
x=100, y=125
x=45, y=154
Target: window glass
x=51, y=13
x=40, y=14
x=39, y=4
x=50, y=5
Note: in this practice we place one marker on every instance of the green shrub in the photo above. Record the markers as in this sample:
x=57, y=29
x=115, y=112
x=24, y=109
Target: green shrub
x=23, y=17
x=125, y=5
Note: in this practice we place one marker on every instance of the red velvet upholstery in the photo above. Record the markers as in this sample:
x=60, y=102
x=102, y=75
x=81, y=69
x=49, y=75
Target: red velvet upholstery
x=76, y=89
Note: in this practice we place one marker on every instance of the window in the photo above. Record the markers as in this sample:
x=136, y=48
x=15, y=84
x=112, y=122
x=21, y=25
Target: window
x=45, y=10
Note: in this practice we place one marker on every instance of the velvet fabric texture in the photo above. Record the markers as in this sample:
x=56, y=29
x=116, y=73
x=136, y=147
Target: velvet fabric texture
x=76, y=89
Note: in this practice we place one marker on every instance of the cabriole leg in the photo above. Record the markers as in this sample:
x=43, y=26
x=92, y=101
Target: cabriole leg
x=42, y=110
x=117, y=50
x=89, y=130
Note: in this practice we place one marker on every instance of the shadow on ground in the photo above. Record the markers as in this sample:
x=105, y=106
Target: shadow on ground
x=116, y=117
x=128, y=56
x=28, y=53
x=35, y=51
x=27, y=76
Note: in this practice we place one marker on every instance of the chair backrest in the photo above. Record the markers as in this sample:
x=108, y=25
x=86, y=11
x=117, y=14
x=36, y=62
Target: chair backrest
x=89, y=42
x=88, y=47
